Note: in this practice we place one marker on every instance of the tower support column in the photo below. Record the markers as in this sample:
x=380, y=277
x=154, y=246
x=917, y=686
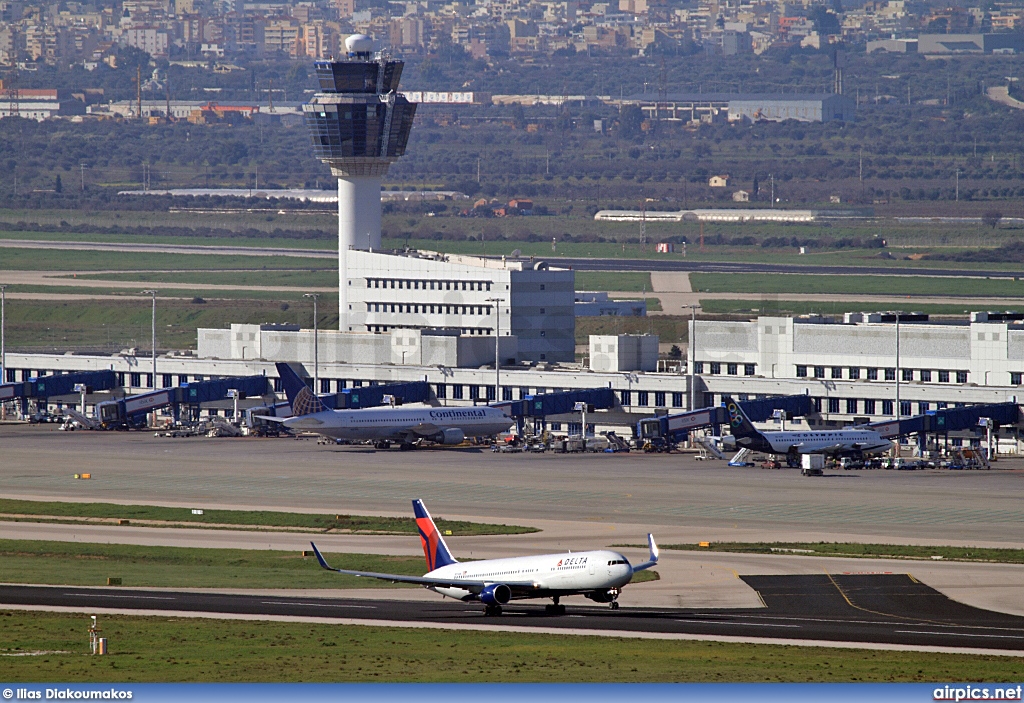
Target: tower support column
x=359, y=214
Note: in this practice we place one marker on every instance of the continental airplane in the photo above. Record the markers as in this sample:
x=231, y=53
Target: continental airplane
x=385, y=425
x=598, y=575
x=853, y=443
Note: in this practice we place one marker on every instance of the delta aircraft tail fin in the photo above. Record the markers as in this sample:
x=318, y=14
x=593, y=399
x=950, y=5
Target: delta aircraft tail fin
x=434, y=548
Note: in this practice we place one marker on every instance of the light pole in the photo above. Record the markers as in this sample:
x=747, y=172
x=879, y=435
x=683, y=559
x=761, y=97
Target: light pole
x=233, y=394
x=153, y=293
x=497, y=338
x=81, y=388
x=899, y=409
x=693, y=355
x=316, y=343
x=3, y=333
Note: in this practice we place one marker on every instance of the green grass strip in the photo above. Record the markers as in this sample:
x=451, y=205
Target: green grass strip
x=159, y=649
x=253, y=518
x=922, y=285
x=84, y=564
x=856, y=550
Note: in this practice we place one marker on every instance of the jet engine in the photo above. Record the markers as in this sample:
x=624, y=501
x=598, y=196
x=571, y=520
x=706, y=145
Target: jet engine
x=603, y=596
x=450, y=436
x=496, y=594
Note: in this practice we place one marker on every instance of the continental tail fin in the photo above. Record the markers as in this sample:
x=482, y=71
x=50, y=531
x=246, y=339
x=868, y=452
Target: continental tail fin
x=738, y=421
x=303, y=400
x=434, y=548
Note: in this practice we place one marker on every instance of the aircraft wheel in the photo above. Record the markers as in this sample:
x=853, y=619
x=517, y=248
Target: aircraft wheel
x=492, y=610
x=614, y=605
x=405, y=447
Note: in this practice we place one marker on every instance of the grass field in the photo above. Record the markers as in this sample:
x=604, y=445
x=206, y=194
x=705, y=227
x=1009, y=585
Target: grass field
x=208, y=294
x=746, y=308
x=868, y=551
x=113, y=324
x=614, y=280
x=162, y=649
x=856, y=285
x=82, y=564
x=253, y=518
x=671, y=329
x=17, y=259
x=324, y=277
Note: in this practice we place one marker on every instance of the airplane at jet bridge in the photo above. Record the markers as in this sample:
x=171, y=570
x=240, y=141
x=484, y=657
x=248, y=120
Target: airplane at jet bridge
x=405, y=426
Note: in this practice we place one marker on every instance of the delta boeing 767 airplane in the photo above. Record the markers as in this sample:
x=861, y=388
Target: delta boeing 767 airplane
x=406, y=426
x=598, y=575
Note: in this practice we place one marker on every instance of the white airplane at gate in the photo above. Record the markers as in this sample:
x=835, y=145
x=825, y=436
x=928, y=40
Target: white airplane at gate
x=853, y=443
x=406, y=426
x=598, y=575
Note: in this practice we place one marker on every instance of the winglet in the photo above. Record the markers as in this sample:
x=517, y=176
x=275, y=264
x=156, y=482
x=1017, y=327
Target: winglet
x=320, y=558
x=653, y=558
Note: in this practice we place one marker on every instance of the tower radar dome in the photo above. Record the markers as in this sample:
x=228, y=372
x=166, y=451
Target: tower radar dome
x=359, y=44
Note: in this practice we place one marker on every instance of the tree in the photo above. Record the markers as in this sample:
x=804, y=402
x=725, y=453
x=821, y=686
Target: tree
x=990, y=218
x=57, y=185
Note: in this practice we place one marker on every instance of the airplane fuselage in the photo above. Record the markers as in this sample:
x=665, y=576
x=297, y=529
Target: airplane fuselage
x=554, y=574
x=401, y=424
x=837, y=442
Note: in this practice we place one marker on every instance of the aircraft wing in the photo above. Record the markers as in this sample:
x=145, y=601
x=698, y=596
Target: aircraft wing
x=425, y=428
x=272, y=418
x=469, y=585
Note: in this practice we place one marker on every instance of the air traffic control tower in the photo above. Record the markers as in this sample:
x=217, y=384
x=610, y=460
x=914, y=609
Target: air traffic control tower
x=359, y=124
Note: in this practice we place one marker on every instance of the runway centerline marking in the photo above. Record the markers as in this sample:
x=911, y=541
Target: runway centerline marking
x=744, y=624
x=955, y=634
x=317, y=605
x=114, y=595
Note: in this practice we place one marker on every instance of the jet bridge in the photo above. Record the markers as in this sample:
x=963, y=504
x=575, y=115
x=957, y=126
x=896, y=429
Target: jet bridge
x=673, y=429
x=131, y=411
x=43, y=387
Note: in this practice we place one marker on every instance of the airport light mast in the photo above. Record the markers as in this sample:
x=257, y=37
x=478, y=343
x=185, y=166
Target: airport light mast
x=153, y=320
x=359, y=124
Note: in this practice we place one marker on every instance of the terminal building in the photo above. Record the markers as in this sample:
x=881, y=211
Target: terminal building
x=855, y=367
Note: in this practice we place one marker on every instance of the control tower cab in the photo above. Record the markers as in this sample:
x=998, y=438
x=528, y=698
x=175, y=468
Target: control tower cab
x=359, y=124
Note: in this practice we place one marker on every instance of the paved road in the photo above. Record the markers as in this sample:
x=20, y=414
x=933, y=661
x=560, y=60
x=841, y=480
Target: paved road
x=881, y=609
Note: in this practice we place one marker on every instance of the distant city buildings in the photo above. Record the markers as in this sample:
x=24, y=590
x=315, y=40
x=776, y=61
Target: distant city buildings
x=88, y=34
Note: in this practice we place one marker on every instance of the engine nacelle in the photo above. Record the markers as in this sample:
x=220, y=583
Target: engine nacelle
x=496, y=594
x=452, y=435
x=603, y=596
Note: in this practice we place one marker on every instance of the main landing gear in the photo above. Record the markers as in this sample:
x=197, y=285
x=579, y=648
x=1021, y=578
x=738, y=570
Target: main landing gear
x=382, y=444
x=492, y=610
x=554, y=608
x=614, y=605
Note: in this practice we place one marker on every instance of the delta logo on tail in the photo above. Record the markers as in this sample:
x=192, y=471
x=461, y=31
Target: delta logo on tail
x=434, y=548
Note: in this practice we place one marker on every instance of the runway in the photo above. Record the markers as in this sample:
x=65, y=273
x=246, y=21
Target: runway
x=655, y=265
x=577, y=263
x=883, y=609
